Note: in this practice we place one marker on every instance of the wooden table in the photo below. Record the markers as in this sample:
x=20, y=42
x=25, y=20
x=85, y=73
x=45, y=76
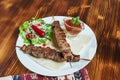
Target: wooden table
x=103, y=17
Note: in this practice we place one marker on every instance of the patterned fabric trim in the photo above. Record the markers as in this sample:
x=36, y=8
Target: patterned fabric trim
x=79, y=75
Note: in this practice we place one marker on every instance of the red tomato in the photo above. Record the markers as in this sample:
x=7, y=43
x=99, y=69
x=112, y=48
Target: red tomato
x=44, y=44
x=29, y=35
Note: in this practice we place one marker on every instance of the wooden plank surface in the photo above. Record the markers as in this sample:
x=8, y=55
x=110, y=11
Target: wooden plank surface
x=103, y=17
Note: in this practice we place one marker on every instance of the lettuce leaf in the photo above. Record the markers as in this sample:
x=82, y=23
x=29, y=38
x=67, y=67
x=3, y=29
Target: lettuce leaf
x=25, y=28
x=75, y=20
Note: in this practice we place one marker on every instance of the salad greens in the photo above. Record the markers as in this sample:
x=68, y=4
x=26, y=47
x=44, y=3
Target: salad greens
x=75, y=20
x=29, y=36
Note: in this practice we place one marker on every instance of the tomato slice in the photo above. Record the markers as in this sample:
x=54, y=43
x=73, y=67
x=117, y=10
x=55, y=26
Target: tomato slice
x=29, y=35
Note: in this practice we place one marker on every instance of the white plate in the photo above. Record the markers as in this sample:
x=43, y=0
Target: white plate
x=88, y=51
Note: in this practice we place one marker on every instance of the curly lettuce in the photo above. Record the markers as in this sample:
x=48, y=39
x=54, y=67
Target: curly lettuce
x=25, y=28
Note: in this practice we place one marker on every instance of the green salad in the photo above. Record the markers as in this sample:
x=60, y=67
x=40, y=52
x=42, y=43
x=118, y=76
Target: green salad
x=35, y=31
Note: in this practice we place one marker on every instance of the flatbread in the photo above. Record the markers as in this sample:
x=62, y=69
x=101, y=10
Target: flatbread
x=78, y=44
x=47, y=63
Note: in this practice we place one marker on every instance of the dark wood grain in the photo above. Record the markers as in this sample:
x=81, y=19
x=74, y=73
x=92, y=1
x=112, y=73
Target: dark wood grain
x=103, y=17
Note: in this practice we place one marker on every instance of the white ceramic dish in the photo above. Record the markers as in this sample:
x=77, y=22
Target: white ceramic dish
x=88, y=51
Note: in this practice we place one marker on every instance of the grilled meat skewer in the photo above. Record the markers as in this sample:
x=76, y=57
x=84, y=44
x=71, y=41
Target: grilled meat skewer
x=62, y=43
x=45, y=52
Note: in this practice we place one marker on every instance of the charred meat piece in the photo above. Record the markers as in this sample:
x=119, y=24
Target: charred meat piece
x=45, y=52
x=62, y=43
x=42, y=52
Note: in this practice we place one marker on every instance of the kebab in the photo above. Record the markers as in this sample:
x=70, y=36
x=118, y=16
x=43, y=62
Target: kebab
x=42, y=52
x=62, y=43
x=45, y=52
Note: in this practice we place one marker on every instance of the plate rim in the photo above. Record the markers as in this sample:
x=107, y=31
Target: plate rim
x=54, y=72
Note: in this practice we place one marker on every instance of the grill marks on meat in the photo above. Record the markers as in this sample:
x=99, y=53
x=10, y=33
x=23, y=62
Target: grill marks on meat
x=46, y=52
x=42, y=52
x=62, y=43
